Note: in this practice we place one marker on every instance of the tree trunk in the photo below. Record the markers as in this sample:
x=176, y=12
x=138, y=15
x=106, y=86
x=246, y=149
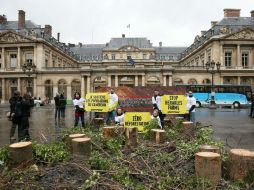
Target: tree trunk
x=208, y=166
x=109, y=132
x=21, y=152
x=209, y=148
x=73, y=136
x=158, y=135
x=131, y=140
x=81, y=147
x=187, y=129
x=241, y=162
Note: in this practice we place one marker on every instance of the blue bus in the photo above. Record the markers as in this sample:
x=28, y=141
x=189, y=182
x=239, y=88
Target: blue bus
x=225, y=95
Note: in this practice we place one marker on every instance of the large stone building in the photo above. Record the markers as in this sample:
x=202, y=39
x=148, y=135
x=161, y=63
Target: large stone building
x=66, y=68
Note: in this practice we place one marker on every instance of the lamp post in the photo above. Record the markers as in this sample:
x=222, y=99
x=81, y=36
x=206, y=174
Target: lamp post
x=212, y=68
x=29, y=68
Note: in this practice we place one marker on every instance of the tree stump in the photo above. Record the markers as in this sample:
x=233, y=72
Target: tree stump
x=241, y=162
x=179, y=118
x=208, y=166
x=21, y=152
x=187, y=129
x=131, y=140
x=81, y=146
x=209, y=148
x=98, y=122
x=158, y=135
x=168, y=122
x=109, y=132
x=73, y=136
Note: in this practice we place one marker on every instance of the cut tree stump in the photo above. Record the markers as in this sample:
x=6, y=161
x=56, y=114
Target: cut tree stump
x=158, y=135
x=168, y=122
x=98, y=122
x=208, y=166
x=209, y=148
x=131, y=138
x=109, y=132
x=241, y=162
x=21, y=152
x=81, y=146
x=73, y=136
x=187, y=129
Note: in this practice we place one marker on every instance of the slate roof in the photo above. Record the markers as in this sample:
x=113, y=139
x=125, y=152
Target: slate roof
x=13, y=25
x=169, y=50
x=116, y=43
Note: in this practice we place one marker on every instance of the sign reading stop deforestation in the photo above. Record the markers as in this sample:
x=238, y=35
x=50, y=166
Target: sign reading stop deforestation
x=97, y=102
x=137, y=119
x=173, y=104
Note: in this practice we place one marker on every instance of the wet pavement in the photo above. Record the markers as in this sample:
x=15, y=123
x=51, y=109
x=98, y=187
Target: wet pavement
x=234, y=127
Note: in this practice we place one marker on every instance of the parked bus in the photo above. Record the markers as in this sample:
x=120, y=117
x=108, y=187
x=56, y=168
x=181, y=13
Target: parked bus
x=226, y=95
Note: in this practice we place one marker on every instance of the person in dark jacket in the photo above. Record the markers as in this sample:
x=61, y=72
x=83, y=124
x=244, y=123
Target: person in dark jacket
x=62, y=105
x=252, y=106
x=57, y=106
x=26, y=104
x=14, y=118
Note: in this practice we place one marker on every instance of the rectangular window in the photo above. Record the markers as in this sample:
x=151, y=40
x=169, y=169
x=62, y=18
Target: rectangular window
x=128, y=56
x=0, y=61
x=228, y=59
x=113, y=56
x=13, y=60
x=144, y=56
x=29, y=59
x=245, y=59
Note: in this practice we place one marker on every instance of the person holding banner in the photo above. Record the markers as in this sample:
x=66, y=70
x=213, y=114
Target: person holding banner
x=156, y=100
x=113, y=102
x=78, y=102
x=191, y=104
x=155, y=115
x=119, y=118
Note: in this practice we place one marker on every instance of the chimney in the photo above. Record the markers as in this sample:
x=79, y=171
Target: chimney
x=48, y=30
x=58, y=37
x=123, y=35
x=203, y=32
x=252, y=13
x=80, y=44
x=213, y=23
x=22, y=19
x=160, y=44
x=232, y=12
x=3, y=19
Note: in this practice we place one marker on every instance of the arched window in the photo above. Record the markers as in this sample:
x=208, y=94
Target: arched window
x=206, y=81
x=48, y=84
x=62, y=87
x=75, y=86
x=177, y=81
x=192, y=81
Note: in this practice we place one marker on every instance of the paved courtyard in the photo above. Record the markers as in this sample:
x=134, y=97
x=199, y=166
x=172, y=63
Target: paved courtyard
x=234, y=127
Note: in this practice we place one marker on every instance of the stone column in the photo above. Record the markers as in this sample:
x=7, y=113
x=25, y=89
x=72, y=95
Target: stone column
x=19, y=84
x=250, y=64
x=169, y=80
x=50, y=59
x=136, y=80
x=3, y=91
x=82, y=86
x=35, y=87
x=238, y=56
x=55, y=90
x=238, y=80
x=88, y=84
x=143, y=80
x=164, y=80
x=35, y=56
x=3, y=58
x=19, y=58
x=116, y=80
x=109, y=80
x=69, y=93
x=221, y=55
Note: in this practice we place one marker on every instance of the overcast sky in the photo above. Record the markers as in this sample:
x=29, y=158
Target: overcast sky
x=174, y=22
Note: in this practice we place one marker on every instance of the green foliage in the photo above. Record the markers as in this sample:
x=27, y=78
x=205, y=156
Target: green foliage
x=153, y=124
x=50, y=153
x=91, y=181
x=99, y=162
x=4, y=155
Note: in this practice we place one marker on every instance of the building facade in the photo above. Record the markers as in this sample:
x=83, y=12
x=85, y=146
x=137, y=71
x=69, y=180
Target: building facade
x=124, y=61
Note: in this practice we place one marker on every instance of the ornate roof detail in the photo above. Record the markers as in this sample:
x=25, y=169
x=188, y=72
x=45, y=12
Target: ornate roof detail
x=244, y=34
x=13, y=37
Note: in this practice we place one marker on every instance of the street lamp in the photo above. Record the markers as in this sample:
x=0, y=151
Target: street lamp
x=212, y=68
x=29, y=68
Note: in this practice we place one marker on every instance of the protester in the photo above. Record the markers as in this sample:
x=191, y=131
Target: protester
x=252, y=106
x=155, y=115
x=191, y=104
x=14, y=118
x=26, y=104
x=156, y=100
x=119, y=118
x=113, y=102
x=62, y=105
x=57, y=106
x=78, y=102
